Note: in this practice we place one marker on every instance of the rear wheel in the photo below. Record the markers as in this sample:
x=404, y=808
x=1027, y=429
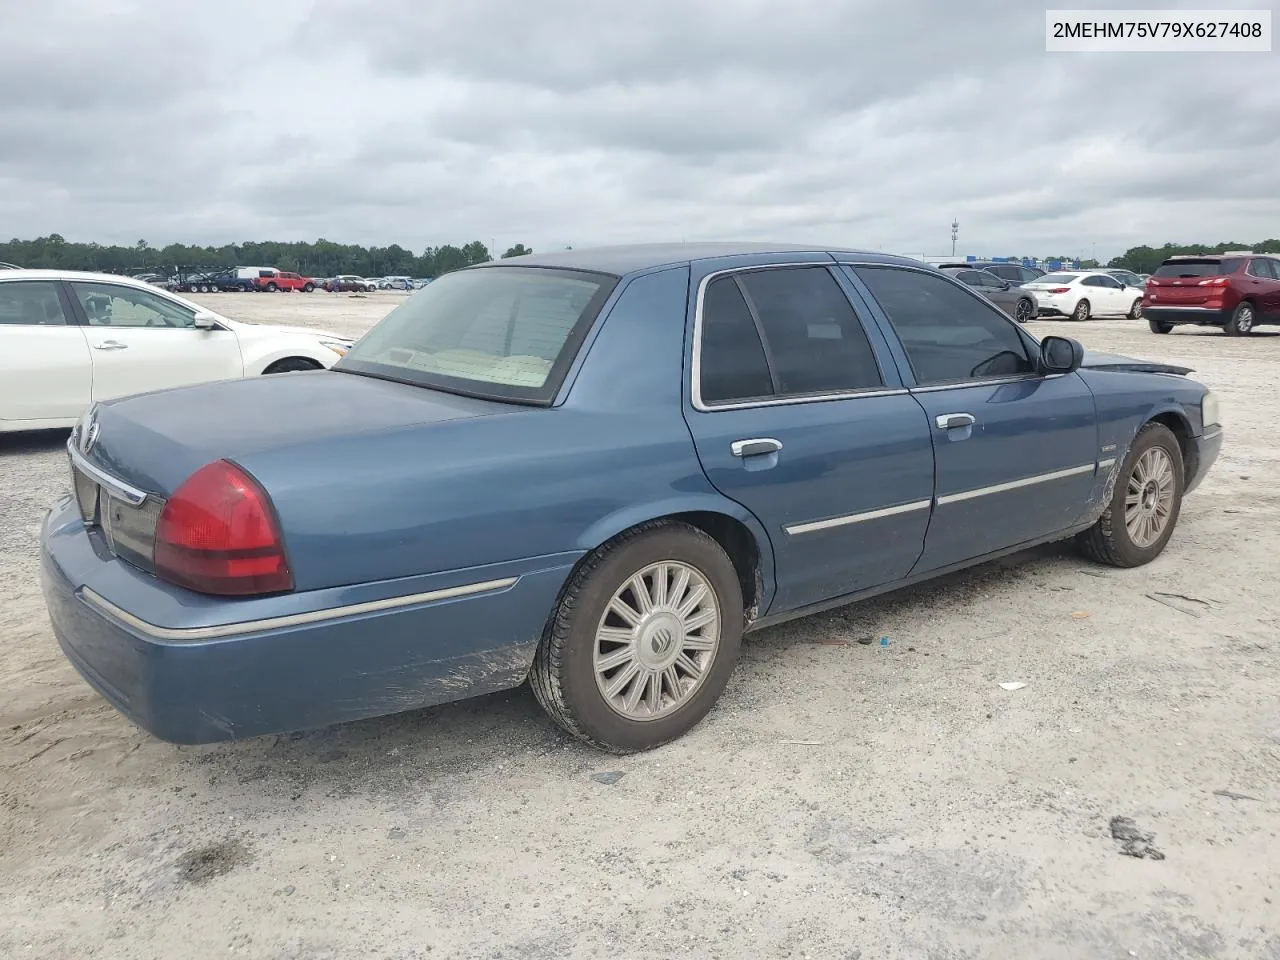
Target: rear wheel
x=1024, y=311
x=292, y=365
x=1081, y=312
x=1242, y=320
x=1135, y=312
x=1160, y=326
x=643, y=639
x=1145, y=503
x=272, y=287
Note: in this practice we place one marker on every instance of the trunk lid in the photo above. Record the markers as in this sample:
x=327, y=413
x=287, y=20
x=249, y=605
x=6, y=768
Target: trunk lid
x=1189, y=283
x=154, y=441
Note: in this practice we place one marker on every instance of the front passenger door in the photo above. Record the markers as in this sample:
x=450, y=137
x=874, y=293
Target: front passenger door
x=142, y=341
x=1016, y=452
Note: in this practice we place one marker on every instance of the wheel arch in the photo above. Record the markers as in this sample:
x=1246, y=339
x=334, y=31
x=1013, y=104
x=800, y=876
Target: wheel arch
x=256, y=361
x=1179, y=425
x=736, y=529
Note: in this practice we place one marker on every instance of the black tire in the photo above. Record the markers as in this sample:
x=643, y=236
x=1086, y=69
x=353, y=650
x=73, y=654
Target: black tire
x=1108, y=541
x=1024, y=310
x=1135, y=312
x=308, y=287
x=271, y=287
x=1081, y=312
x=292, y=365
x=1159, y=326
x=1242, y=321
x=563, y=674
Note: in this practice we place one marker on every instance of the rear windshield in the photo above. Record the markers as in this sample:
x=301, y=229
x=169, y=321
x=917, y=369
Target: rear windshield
x=506, y=333
x=1058, y=278
x=1197, y=268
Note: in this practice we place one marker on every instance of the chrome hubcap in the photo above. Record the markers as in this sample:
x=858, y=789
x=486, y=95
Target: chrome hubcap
x=656, y=641
x=1148, y=500
x=1244, y=322
x=1024, y=311
x=1137, y=309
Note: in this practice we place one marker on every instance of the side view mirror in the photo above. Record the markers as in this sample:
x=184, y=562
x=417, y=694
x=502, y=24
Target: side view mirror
x=1060, y=355
x=204, y=320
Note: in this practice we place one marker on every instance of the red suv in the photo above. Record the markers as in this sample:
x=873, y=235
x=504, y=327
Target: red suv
x=1235, y=291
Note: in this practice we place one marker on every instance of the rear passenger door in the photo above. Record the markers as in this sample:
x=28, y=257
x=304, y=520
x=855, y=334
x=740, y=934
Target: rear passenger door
x=1016, y=451
x=45, y=371
x=798, y=414
x=1264, y=284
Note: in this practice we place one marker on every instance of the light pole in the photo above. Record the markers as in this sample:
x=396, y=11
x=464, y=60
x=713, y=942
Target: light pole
x=955, y=232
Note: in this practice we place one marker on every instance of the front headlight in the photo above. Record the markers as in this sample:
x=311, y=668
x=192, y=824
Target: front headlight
x=337, y=347
x=1209, y=409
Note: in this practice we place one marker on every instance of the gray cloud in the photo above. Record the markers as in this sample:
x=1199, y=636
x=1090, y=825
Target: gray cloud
x=382, y=121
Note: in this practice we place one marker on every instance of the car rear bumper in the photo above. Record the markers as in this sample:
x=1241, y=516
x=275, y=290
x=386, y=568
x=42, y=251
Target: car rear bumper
x=202, y=684
x=1207, y=316
x=1203, y=451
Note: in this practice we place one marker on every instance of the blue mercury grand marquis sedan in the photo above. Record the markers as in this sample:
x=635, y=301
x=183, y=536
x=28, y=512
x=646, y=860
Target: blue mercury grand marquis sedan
x=593, y=470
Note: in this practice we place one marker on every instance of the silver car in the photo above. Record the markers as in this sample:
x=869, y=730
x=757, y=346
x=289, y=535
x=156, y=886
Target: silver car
x=1018, y=302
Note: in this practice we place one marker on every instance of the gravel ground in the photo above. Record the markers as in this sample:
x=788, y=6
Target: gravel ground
x=843, y=800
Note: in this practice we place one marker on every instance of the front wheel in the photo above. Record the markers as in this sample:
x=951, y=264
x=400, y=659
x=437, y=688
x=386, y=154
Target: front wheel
x=1242, y=321
x=1135, y=312
x=1024, y=311
x=1081, y=312
x=1145, y=503
x=308, y=287
x=643, y=639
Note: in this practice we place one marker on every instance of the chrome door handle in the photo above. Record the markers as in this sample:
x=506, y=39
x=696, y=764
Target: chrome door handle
x=755, y=448
x=952, y=421
x=111, y=345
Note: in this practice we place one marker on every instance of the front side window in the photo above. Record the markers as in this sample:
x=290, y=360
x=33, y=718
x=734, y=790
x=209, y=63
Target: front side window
x=779, y=332
x=31, y=303
x=108, y=305
x=949, y=335
x=509, y=333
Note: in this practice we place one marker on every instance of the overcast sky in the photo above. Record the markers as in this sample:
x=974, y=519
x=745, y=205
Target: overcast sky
x=554, y=122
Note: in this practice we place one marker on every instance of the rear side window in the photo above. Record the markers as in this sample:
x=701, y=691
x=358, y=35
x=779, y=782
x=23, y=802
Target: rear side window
x=1057, y=278
x=31, y=303
x=1197, y=268
x=948, y=334
x=1267, y=269
x=802, y=327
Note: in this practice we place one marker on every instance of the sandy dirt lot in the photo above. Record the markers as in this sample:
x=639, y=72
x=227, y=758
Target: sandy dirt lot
x=843, y=801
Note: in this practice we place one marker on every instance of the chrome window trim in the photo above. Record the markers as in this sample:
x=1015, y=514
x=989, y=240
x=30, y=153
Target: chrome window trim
x=1015, y=484
x=223, y=630
x=118, y=488
x=1107, y=464
x=696, y=372
x=815, y=525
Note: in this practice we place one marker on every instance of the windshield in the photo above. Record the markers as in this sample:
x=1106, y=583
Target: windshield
x=1196, y=268
x=508, y=333
x=1055, y=279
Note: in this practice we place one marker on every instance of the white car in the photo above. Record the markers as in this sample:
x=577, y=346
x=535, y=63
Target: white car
x=1081, y=294
x=68, y=340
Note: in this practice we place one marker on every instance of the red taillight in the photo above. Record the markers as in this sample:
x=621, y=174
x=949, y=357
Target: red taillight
x=1215, y=282
x=217, y=534
x=1060, y=290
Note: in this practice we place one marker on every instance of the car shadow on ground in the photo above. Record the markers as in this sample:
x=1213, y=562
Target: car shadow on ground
x=427, y=748
x=33, y=441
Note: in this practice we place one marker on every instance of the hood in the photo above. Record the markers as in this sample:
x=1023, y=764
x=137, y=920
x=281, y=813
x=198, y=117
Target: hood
x=1114, y=361
x=156, y=440
x=265, y=329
